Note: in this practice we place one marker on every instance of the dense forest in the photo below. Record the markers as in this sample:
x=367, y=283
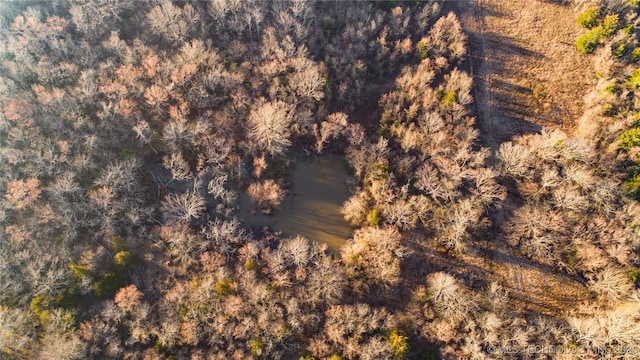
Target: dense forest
x=129, y=130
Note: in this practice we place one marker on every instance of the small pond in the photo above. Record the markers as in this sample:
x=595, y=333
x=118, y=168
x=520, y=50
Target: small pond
x=312, y=206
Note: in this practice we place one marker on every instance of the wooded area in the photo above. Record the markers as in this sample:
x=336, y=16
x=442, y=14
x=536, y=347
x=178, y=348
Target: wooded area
x=129, y=129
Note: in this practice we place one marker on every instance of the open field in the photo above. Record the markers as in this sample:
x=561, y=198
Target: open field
x=526, y=70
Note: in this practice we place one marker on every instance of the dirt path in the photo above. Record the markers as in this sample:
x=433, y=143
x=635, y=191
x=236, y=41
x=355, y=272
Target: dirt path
x=527, y=72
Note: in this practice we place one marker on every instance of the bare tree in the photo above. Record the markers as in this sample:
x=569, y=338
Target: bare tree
x=447, y=39
x=486, y=188
x=266, y=194
x=355, y=209
x=172, y=22
x=268, y=127
x=182, y=207
x=21, y=193
x=611, y=283
x=156, y=97
x=128, y=298
x=334, y=126
x=448, y=297
x=514, y=159
x=376, y=254
x=180, y=169
x=226, y=236
x=307, y=79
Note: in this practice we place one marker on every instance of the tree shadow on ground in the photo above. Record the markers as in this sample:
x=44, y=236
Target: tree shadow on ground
x=502, y=108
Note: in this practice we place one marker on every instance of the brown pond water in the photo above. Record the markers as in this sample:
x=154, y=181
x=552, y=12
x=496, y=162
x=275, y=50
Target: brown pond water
x=312, y=206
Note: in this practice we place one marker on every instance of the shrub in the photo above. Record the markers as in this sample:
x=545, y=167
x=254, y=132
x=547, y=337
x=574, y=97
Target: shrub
x=223, y=288
x=634, y=274
x=257, y=346
x=635, y=54
x=423, y=49
x=610, y=89
x=117, y=243
x=589, y=17
x=128, y=298
x=632, y=185
x=124, y=259
x=634, y=79
x=107, y=287
x=266, y=194
x=610, y=25
x=374, y=217
x=79, y=272
x=630, y=138
x=68, y=298
x=399, y=342
x=588, y=42
x=250, y=265
x=449, y=99
x=39, y=305
x=619, y=50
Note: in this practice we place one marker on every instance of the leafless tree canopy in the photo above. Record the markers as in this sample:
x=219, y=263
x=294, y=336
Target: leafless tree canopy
x=133, y=132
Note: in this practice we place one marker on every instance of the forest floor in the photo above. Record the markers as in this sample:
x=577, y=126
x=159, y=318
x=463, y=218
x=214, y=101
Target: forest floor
x=527, y=76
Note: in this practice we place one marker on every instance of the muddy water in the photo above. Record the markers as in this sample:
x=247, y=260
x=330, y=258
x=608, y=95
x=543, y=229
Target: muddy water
x=312, y=206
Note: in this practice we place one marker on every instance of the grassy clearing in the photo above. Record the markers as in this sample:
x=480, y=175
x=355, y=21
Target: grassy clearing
x=527, y=69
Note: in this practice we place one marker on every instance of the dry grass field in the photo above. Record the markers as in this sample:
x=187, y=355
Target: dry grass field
x=528, y=74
